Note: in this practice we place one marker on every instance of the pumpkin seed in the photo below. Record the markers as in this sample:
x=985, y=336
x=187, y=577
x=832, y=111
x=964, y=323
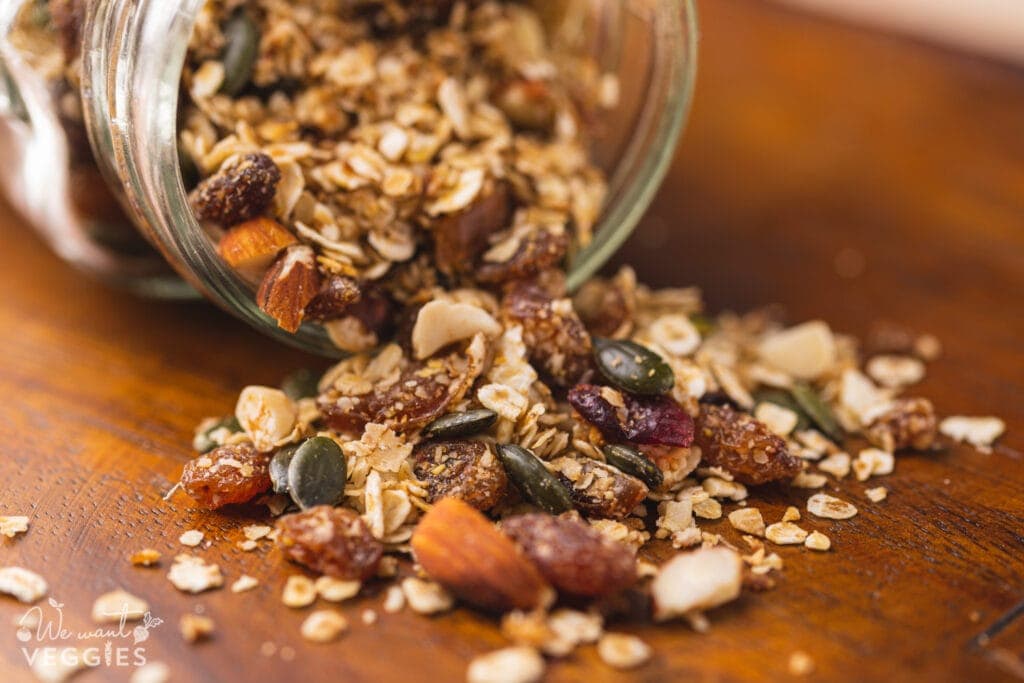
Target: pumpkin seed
x=303, y=383
x=703, y=323
x=317, y=473
x=632, y=367
x=533, y=480
x=816, y=409
x=279, y=468
x=785, y=400
x=243, y=39
x=205, y=443
x=460, y=424
x=633, y=462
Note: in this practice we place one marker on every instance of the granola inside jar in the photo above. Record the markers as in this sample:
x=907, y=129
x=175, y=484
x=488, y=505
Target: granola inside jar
x=323, y=168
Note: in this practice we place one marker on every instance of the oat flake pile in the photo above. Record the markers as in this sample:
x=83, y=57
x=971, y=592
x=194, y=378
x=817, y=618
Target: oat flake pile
x=414, y=176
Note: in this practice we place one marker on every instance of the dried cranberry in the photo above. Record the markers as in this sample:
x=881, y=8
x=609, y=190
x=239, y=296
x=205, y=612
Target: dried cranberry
x=640, y=419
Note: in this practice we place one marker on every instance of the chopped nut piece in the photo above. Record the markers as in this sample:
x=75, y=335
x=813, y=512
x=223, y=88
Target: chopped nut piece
x=696, y=580
x=818, y=541
x=747, y=520
x=299, y=591
x=785, y=533
x=244, y=583
x=877, y=494
x=191, y=538
x=267, y=415
x=575, y=626
x=323, y=626
x=255, y=532
x=518, y=664
x=195, y=627
x=336, y=590
x=191, y=574
x=623, y=651
x=720, y=488
x=289, y=286
x=10, y=526
x=394, y=600
x=828, y=507
x=440, y=323
x=791, y=514
x=426, y=597
x=252, y=246
x=805, y=351
x=801, y=664
x=872, y=461
x=782, y=421
x=116, y=605
x=980, y=432
x=837, y=464
x=25, y=585
x=146, y=557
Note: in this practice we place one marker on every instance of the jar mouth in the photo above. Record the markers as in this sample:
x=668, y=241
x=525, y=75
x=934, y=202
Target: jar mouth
x=136, y=78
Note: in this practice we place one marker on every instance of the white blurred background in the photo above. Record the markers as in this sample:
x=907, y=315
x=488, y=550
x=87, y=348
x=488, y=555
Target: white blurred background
x=991, y=27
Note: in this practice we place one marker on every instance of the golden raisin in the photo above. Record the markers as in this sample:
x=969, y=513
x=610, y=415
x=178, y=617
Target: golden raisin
x=235, y=473
x=742, y=446
x=238, y=192
x=909, y=423
x=467, y=470
x=330, y=540
x=598, y=490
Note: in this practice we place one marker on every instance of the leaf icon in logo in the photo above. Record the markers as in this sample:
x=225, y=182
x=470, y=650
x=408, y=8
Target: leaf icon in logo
x=54, y=604
x=140, y=634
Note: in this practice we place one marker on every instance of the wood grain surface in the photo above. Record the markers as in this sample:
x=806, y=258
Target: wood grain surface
x=849, y=175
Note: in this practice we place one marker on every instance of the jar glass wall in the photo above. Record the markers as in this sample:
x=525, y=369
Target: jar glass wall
x=132, y=59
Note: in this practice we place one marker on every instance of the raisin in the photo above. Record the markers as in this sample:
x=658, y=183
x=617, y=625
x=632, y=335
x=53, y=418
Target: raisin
x=559, y=344
x=238, y=192
x=574, y=557
x=539, y=251
x=638, y=419
x=909, y=423
x=335, y=298
x=598, y=490
x=228, y=474
x=606, y=307
x=417, y=394
x=459, y=238
x=332, y=541
x=743, y=446
x=467, y=470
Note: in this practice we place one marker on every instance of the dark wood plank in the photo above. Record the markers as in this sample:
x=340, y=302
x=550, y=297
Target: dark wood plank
x=811, y=143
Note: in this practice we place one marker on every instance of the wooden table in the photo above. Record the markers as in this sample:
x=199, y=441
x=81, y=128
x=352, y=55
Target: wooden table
x=851, y=176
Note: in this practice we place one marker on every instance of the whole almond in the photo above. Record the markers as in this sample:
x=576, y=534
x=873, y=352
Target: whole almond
x=251, y=247
x=288, y=287
x=463, y=551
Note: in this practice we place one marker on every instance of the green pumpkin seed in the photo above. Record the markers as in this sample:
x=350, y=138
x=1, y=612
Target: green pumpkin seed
x=279, y=468
x=632, y=367
x=460, y=424
x=537, y=485
x=205, y=442
x=303, y=383
x=819, y=412
x=633, y=462
x=784, y=399
x=703, y=323
x=240, y=52
x=317, y=473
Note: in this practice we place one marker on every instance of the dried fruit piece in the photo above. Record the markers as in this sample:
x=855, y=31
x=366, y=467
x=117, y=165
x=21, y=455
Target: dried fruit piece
x=467, y=470
x=251, y=247
x=242, y=40
x=598, y=490
x=742, y=446
x=908, y=423
x=697, y=580
x=607, y=307
x=230, y=474
x=533, y=480
x=317, y=473
x=573, y=556
x=537, y=252
x=460, y=549
x=460, y=237
x=334, y=541
x=336, y=299
x=464, y=423
x=632, y=367
x=819, y=412
x=288, y=287
x=633, y=463
x=241, y=190
x=558, y=344
x=637, y=419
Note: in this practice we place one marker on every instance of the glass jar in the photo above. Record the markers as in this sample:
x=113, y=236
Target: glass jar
x=133, y=53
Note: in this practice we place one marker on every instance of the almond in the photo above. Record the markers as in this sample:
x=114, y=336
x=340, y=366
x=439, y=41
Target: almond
x=460, y=549
x=288, y=287
x=251, y=247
